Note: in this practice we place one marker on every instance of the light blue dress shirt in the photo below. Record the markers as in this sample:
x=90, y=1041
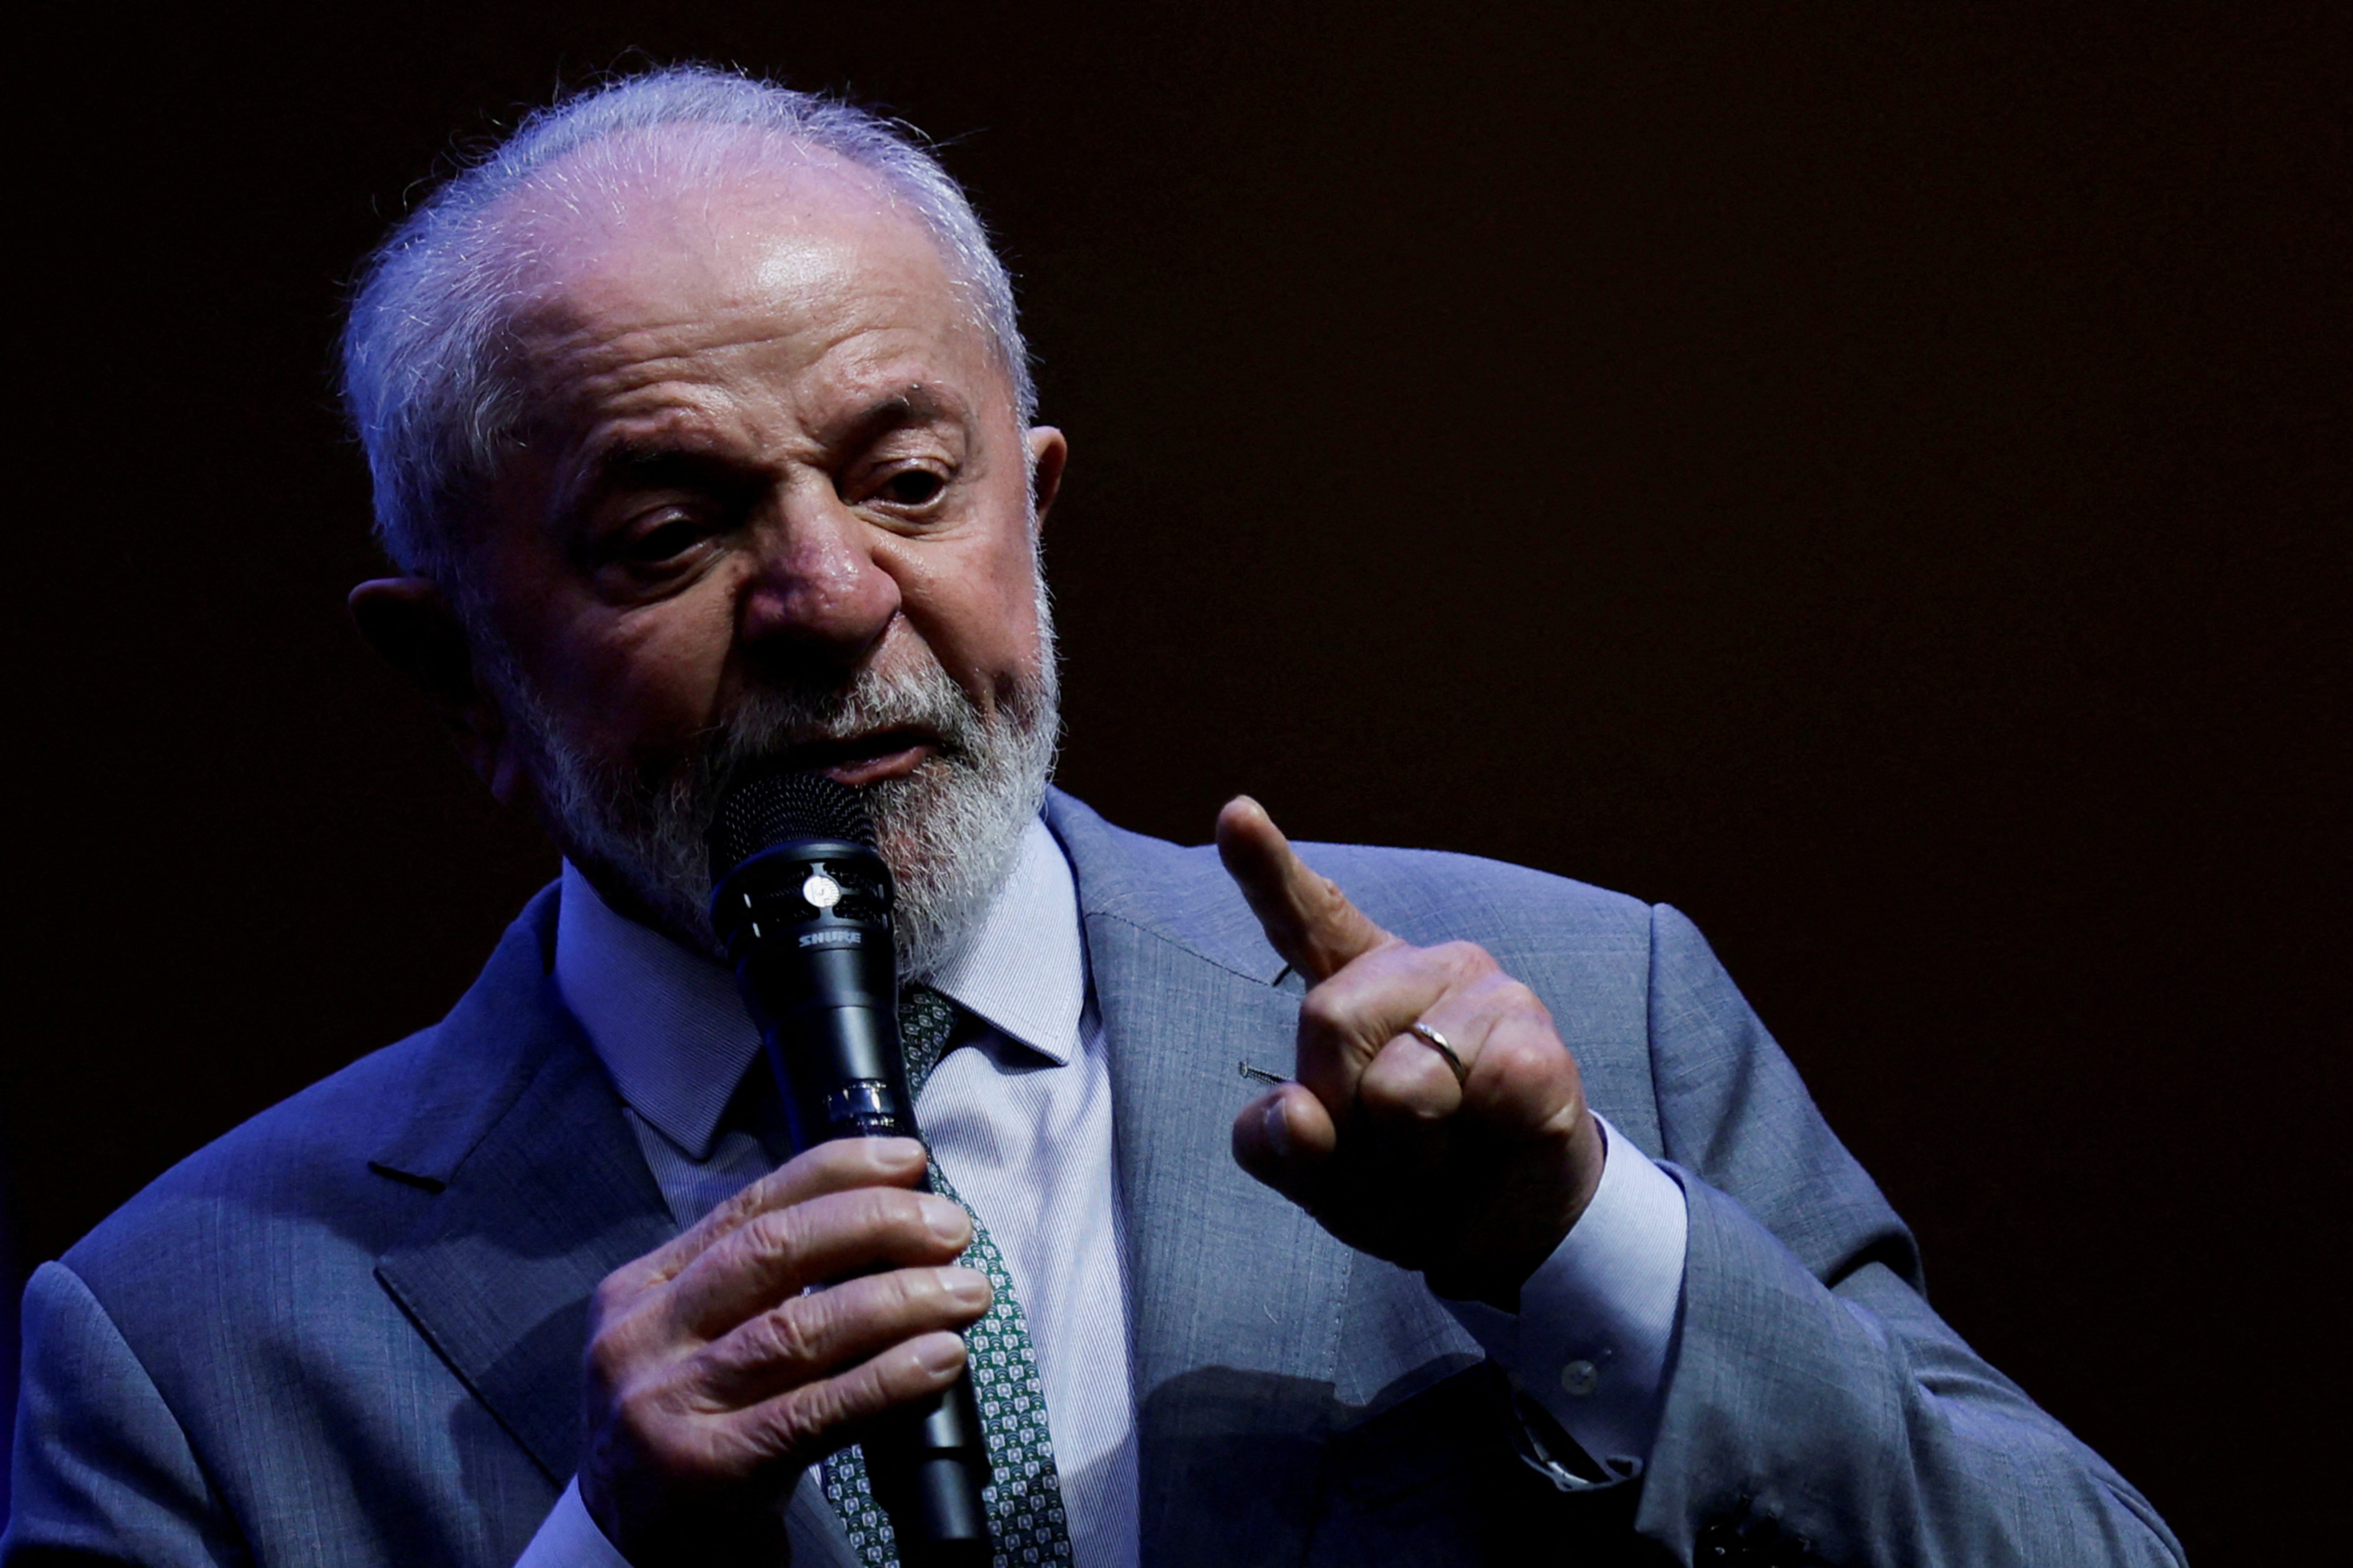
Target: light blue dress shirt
x=1021, y=1123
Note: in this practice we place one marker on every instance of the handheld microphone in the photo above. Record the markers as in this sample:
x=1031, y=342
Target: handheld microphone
x=801, y=902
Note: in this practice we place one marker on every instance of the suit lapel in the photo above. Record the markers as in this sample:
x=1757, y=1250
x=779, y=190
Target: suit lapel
x=544, y=1193
x=1224, y=1271
x=499, y=1278
x=1237, y=1294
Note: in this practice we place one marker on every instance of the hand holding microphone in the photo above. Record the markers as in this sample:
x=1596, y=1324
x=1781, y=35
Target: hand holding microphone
x=801, y=901
x=714, y=1381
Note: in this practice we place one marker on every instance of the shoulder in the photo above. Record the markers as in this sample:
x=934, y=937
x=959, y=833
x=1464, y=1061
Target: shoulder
x=1437, y=891
x=298, y=1168
x=340, y=1166
x=1425, y=896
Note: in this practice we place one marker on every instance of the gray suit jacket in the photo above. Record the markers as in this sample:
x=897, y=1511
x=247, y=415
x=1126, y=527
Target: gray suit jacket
x=350, y=1332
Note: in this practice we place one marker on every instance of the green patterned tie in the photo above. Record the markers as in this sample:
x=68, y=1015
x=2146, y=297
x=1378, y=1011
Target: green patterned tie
x=1025, y=1502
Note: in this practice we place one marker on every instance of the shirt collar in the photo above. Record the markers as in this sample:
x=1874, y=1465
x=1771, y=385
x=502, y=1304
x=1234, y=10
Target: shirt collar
x=1024, y=969
x=674, y=1035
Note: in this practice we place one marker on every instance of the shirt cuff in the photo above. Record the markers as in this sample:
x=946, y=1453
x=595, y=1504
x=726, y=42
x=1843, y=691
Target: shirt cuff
x=568, y=1538
x=1597, y=1318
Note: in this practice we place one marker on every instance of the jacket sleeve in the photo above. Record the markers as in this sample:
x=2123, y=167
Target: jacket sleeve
x=1816, y=1409
x=102, y=1469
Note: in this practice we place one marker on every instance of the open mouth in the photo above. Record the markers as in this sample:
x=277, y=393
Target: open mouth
x=861, y=760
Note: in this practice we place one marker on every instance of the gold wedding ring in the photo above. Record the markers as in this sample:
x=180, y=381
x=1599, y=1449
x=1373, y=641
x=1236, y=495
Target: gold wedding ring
x=1437, y=1042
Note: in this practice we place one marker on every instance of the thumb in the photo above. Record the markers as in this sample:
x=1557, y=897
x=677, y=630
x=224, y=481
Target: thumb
x=1285, y=1138
x=1307, y=918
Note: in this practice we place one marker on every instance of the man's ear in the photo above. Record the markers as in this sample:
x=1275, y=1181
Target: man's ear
x=410, y=622
x=1048, y=452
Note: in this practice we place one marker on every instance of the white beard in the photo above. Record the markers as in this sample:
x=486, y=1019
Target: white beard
x=949, y=831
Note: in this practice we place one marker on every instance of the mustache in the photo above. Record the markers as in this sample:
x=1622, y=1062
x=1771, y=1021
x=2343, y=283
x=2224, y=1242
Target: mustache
x=637, y=819
x=773, y=725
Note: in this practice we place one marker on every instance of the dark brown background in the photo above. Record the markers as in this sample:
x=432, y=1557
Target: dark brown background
x=1873, y=477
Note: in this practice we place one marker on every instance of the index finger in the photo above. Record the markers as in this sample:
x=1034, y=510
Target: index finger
x=830, y=1167
x=1307, y=918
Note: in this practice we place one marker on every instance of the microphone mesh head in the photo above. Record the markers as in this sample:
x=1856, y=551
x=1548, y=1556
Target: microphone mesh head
x=776, y=808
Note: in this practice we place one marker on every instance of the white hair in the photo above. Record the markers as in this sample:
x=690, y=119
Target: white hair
x=424, y=352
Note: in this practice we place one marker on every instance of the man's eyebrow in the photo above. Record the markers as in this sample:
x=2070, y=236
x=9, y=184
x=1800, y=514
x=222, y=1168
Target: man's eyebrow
x=632, y=465
x=636, y=465
x=628, y=466
x=916, y=404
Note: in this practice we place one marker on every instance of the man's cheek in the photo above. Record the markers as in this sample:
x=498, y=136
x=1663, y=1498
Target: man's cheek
x=978, y=632
x=659, y=677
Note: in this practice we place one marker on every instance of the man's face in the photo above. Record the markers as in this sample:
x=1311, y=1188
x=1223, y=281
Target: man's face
x=772, y=497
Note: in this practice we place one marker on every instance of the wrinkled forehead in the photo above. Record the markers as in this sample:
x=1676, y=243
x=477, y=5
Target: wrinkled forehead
x=741, y=212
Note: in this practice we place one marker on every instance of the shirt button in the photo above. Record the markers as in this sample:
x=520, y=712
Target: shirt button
x=1578, y=1379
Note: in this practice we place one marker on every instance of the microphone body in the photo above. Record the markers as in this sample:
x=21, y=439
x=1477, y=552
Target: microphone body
x=802, y=903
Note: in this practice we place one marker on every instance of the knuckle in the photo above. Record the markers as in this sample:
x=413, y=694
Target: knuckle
x=893, y=1210
x=613, y=1296
x=740, y=1207
x=1513, y=997
x=827, y=1406
x=903, y=1292
x=798, y=1422
x=1517, y=997
x=1323, y=1009
x=644, y=1423
x=1466, y=960
x=790, y=1334
x=1332, y=1013
x=1516, y=1055
x=776, y=1235
x=620, y=1345
x=609, y=1360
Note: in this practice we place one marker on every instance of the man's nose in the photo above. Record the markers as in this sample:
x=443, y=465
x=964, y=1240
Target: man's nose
x=819, y=594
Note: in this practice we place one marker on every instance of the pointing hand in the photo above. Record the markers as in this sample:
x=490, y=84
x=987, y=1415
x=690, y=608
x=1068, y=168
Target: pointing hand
x=1473, y=1180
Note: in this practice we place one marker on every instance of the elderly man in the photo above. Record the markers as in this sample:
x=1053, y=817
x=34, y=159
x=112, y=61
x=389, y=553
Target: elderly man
x=702, y=435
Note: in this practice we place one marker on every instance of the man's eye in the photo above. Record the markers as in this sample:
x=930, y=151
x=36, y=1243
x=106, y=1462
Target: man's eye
x=664, y=541
x=911, y=486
